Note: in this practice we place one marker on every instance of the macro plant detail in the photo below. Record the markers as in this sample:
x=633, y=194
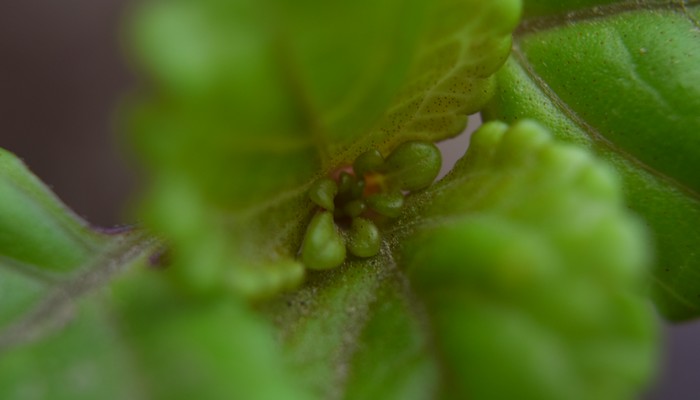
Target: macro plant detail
x=294, y=243
x=649, y=131
x=374, y=190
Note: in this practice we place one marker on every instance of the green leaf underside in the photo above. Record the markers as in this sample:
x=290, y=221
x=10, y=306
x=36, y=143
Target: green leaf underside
x=623, y=81
x=274, y=95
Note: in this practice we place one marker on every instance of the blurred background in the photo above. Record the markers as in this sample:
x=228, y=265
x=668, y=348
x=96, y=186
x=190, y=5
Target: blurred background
x=62, y=75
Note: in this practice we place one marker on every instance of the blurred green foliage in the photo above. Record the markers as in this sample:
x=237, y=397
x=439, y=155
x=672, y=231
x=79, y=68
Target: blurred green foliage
x=521, y=274
x=623, y=81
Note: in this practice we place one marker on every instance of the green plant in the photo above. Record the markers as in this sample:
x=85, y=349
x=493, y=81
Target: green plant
x=295, y=245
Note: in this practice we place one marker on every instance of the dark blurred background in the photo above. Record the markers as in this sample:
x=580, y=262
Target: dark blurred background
x=62, y=74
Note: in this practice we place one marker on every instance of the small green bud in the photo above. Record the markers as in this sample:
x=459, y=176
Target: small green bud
x=364, y=239
x=412, y=165
x=358, y=189
x=345, y=184
x=368, y=161
x=323, y=192
x=387, y=204
x=355, y=208
x=324, y=246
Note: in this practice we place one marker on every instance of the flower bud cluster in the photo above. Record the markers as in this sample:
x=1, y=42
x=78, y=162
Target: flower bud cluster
x=352, y=203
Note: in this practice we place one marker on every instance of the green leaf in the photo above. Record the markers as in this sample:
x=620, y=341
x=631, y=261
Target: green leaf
x=86, y=361
x=140, y=338
x=73, y=327
x=354, y=332
x=35, y=228
x=537, y=271
x=248, y=103
x=533, y=8
x=41, y=241
x=233, y=156
x=49, y=260
x=521, y=266
x=253, y=101
x=623, y=81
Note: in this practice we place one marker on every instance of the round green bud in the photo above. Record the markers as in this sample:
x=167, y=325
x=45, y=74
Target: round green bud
x=324, y=246
x=323, y=193
x=364, y=239
x=369, y=161
x=412, y=165
x=346, y=183
x=387, y=204
x=355, y=208
x=358, y=189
